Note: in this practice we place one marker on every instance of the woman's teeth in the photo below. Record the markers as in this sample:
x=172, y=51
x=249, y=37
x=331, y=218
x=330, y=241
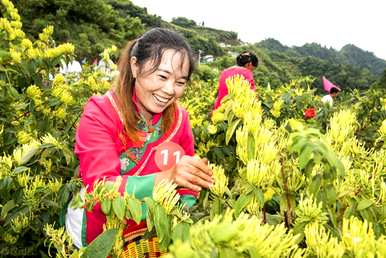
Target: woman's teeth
x=160, y=99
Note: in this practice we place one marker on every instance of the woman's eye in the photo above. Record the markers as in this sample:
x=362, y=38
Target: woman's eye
x=162, y=77
x=181, y=83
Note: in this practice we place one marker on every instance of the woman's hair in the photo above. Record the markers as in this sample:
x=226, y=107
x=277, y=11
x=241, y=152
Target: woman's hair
x=334, y=90
x=247, y=57
x=149, y=47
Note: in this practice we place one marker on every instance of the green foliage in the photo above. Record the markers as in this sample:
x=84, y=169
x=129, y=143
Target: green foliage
x=358, y=57
x=102, y=245
x=184, y=22
x=90, y=25
x=39, y=111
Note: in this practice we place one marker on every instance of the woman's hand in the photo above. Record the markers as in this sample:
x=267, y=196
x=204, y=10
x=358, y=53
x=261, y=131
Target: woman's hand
x=189, y=172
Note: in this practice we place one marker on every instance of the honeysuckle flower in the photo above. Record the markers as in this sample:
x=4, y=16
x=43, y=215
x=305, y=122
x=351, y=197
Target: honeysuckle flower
x=212, y=129
x=165, y=194
x=34, y=92
x=15, y=56
x=220, y=184
x=382, y=129
x=24, y=137
x=24, y=153
x=218, y=116
x=46, y=34
x=276, y=108
x=26, y=43
x=60, y=113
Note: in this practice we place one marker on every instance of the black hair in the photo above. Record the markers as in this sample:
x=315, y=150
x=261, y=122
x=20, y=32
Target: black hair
x=334, y=90
x=247, y=57
x=152, y=44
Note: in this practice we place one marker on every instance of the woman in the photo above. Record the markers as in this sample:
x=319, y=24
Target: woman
x=246, y=63
x=120, y=133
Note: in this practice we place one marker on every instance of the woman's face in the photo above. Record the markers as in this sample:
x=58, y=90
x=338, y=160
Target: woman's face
x=157, y=90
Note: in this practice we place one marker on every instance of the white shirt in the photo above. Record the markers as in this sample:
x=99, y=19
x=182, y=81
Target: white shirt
x=73, y=67
x=328, y=99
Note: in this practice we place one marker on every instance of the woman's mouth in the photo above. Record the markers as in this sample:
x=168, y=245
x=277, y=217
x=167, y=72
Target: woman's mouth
x=160, y=100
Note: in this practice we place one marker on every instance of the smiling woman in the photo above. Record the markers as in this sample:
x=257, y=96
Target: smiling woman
x=159, y=89
x=121, y=133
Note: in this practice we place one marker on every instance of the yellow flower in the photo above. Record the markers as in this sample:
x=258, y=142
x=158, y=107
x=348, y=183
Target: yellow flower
x=212, y=129
x=54, y=185
x=56, y=91
x=26, y=43
x=34, y=92
x=382, y=129
x=7, y=4
x=15, y=56
x=165, y=194
x=217, y=116
x=46, y=34
x=60, y=113
x=16, y=24
x=19, y=223
x=46, y=111
x=66, y=97
x=268, y=194
x=32, y=53
x=23, y=137
x=220, y=181
x=24, y=153
x=49, y=139
x=9, y=238
x=58, y=81
x=23, y=179
x=66, y=48
x=277, y=105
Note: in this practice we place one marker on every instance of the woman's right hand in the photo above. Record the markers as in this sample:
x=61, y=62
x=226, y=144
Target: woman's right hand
x=190, y=172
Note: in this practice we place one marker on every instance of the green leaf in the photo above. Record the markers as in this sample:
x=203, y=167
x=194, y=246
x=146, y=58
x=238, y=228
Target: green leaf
x=259, y=195
x=19, y=169
x=6, y=208
x=251, y=147
x=230, y=130
x=181, y=231
x=135, y=208
x=305, y=156
x=162, y=226
x=102, y=245
x=330, y=194
x=228, y=253
x=241, y=203
x=314, y=187
x=150, y=213
x=364, y=203
x=216, y=207
x=297, y=144
x=106, y=206
x=119, y=207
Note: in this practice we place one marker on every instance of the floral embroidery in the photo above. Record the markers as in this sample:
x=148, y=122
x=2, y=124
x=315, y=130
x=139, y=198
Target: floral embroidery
x=132, y=156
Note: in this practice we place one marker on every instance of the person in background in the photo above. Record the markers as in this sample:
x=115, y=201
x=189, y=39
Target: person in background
x=246, y=63
x=121, y=132
x=329, y=99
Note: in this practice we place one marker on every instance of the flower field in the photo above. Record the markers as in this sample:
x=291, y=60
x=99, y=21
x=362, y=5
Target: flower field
x=293, y=177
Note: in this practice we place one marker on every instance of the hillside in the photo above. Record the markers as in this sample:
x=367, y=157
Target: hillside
x=91, y=32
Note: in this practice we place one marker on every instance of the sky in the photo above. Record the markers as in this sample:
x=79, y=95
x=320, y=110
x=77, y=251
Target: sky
x=331, y=23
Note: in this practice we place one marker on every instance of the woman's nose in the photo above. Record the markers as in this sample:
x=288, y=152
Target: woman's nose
x=169, y=87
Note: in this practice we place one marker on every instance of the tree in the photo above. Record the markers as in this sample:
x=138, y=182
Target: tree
x=91, y=25
x=184, y=22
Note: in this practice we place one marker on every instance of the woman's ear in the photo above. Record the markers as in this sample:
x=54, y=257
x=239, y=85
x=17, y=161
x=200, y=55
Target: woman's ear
x=134, y=66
